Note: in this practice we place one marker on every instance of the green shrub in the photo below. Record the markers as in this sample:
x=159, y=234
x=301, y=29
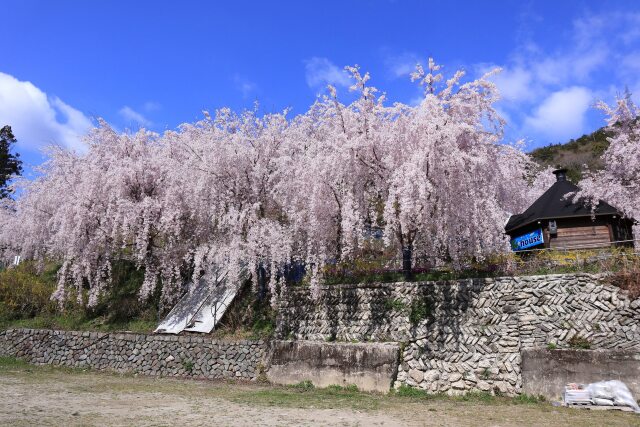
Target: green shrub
x=391, y=304
x=25, y=301
x=263, y=328
x=486, y=374
x=121, y=303
x=579, y=342
x=420, y=310
x=187, y=365
x=26, y=292
x=304, y=386
x=248, y=316
x=261, y=318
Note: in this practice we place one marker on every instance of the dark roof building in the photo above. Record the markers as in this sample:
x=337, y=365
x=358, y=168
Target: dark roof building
x=554, y=221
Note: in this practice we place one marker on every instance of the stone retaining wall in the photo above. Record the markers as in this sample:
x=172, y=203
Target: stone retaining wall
x=165, y=355
x=454, y=336
x=467, y=334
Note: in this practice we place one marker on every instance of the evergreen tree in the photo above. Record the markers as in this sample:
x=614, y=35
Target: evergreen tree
x=10, y=164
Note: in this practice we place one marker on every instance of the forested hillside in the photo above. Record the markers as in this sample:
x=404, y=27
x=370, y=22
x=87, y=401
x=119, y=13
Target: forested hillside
x=574, y=154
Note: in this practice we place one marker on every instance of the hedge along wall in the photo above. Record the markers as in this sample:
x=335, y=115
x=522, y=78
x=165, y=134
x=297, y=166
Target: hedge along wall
x=165, y=355
x=468, y=334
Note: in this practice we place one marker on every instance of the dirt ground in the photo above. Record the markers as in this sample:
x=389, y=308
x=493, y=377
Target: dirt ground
x=45, y=396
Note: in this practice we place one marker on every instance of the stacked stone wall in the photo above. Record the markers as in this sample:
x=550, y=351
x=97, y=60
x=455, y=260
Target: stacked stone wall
x=454, y=336
x=163, y=355
x=468, y=334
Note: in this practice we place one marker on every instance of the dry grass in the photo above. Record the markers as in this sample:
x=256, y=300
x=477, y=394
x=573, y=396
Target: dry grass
x=628, y=278
x=52, y=396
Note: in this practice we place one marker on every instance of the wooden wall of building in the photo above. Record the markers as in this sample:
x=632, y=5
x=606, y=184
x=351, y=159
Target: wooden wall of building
x=581, y=233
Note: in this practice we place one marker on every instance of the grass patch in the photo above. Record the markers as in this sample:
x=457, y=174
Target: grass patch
x=411, y=392
x=579, y=342
x=304, y=386
x=477, y=396
x=474, y=397
x=302, y=395
x=40, y=392
x=78, y=322
x=621, y=261
x=529, y=399
x=350, y=388
x=306, y=395
x=405, y=391
x=12, y=363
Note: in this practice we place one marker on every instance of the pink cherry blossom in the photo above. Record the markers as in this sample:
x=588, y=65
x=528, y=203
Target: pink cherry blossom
x=618, y=182
x=236, y=192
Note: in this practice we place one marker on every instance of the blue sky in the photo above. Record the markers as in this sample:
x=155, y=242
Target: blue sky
x=158, y=63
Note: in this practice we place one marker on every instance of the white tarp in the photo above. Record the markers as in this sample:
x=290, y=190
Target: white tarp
x=202, y=308
x=603, y=393
x=612, y=393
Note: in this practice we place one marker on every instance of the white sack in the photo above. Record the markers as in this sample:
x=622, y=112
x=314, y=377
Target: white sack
x=613, y=390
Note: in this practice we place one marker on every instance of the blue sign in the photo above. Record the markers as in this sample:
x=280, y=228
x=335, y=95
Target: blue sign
x=528, y=240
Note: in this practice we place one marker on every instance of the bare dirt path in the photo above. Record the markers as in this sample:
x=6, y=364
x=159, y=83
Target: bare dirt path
x=53, y=396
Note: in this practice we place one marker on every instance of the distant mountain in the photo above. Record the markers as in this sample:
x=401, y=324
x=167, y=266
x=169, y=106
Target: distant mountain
x=574, y=154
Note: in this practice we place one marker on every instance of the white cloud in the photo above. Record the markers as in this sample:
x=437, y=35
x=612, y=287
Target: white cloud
x=321, y=72
x=150, y=106
x=586, y=63
x=38, y=119
x=133, y=116
x=569, y=66
x=632, y=32
x=402, y=65
x=617, y=26
x=532, y=73
x=631, y=62
x=245, y=86
x=547, y=90
x=515, y=84
x=561, y=115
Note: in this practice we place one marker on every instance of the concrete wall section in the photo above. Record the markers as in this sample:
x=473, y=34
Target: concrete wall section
x=545, y=372
x=371, y=367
